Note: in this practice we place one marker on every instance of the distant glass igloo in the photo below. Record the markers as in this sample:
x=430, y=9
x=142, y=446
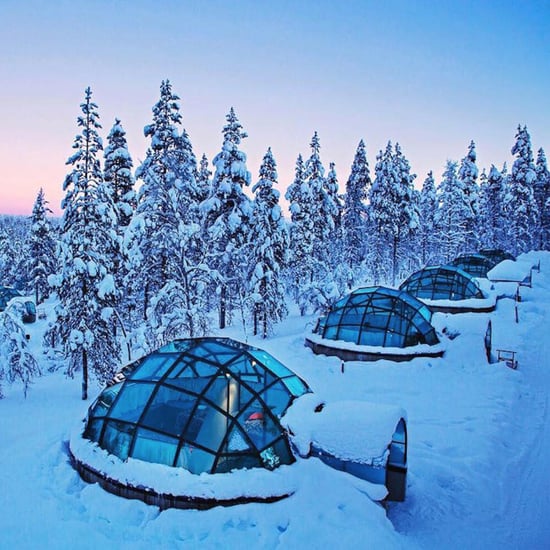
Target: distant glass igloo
x=374, y=323
x=206, y=405
x=477, y=265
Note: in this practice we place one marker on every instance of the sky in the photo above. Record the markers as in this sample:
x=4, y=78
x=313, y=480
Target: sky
x=430, y=75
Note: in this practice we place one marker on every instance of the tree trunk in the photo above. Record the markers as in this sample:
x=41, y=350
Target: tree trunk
x=222, y=306
x=84, y=375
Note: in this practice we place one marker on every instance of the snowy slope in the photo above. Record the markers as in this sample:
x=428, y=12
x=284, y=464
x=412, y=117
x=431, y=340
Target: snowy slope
x=479, y=443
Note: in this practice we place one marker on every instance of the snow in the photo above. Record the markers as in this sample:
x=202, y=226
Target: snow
x=510, y=270
x=350, y=430
x=479, y=444
x=386, y=350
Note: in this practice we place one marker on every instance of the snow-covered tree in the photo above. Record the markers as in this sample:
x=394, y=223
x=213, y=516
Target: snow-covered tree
x=468, y=174
x=117, y=174
x=542, y=198
x=227, y=214
x=203, y=179
x=41, y=249
x=453, y=211
x=427, y=229
x=302, y=235
x=269, y=238
x=492, y=190
x=17, y=363
x=163, y=242
x=393, y=212
x=355, y=212
x=84, y=328
x=520, y=205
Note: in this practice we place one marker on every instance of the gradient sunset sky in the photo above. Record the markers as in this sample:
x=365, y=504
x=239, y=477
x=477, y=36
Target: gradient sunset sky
x=431, y=75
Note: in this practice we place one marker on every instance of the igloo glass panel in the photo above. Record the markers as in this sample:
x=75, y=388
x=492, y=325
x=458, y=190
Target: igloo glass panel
x=169, y=410
x=117, y=438
x=213, y=429
x=93, y=430
x=258, y=426
x=352, y=316
x=105, y=400
x=154, y=447
x=130, y=401
x=275, y=454
x=194, y=459
x=276, y=397
x=153, y=367
x=372, y=337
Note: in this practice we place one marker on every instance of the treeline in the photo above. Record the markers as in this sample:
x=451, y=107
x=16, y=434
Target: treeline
x=135, y=266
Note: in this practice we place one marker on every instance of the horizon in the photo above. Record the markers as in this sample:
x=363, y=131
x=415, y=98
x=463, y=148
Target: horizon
x=430, y=77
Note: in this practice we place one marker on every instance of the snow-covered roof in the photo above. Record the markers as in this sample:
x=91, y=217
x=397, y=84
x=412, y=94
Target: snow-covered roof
x=355, y=431
x=510, y=270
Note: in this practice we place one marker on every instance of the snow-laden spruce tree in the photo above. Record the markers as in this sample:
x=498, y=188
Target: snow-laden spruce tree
x=542, y=198
x=393, y=214
x=227, y=215
x=468, y=174
x=302, y=236
x=427, y=233
x=269, y=241
x=167, y=273
x=117, y=174
x=84, y=326
x=17, y=363
x=204, y=179
x=355, y=211
x=452, y=213
x=324, y=212
x=13, y=250
x=493, y=222
x=519, y=204
x=42, y=241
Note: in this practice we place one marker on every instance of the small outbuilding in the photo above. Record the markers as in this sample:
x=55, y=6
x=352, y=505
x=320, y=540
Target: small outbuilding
x=367, y=440
x=376, y=323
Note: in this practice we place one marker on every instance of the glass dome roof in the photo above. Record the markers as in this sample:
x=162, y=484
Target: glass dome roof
x=476, y=265
x=443, y=282
x=496, y=254
x=379, y=316
x=206, y=405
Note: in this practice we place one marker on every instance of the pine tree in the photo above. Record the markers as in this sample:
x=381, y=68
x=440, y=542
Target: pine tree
x=270, y=244
x=302, y=236
x=393, y=211
x=427, y=227
x=467, y=174
x=117, y=174
x=227, y=218
x=542, y=198
x=17, y=363
x=492, y=216
x=85, y=285
x=42, y=248
x=164, y=242
x=203, y=179
x=355, y=211
x=453, y=211
x=520, y=205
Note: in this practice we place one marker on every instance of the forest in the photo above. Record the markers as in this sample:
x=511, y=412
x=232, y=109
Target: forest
x=178, y=245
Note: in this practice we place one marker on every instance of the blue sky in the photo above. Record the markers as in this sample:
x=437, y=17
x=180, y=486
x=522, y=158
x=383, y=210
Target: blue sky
x=431, y=75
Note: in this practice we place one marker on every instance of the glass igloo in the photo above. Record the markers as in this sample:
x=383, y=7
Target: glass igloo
x=375, y=317
x=476, y=265
x=205, y=405
x=496, y=254
x=443, y=282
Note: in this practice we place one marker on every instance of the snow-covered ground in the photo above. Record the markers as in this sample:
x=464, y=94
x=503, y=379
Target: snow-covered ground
x=479, y=445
